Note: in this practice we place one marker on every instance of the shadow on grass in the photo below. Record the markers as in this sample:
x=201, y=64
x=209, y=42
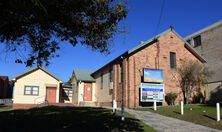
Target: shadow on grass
x=176, y=112
x=54, y=118
x=212, y=118
x=2, y=105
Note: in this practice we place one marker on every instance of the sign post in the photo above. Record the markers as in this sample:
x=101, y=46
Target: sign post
x=218, y=111
x=154, y=105
x=152, y=88
x=181, y=107
x=115, y=107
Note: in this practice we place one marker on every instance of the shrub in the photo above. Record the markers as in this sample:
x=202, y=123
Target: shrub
x=170, y=98
x=198, y=98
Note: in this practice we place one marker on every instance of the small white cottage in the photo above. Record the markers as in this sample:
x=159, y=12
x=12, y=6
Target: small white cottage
x=34, y=87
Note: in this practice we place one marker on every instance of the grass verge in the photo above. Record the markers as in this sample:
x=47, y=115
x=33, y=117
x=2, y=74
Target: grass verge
x=196, y=113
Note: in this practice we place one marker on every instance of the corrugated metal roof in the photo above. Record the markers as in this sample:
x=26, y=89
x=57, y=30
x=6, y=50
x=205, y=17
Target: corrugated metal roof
x=84, y=75
x=190, y=48
x=202, y=58
x=147, y=42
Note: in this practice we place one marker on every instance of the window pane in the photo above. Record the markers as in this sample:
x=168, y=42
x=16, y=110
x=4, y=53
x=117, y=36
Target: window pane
x=66, y=92
x=70, y=93
x=35, y=88
x=27, y=92
x=28, y=88
x=172, y=60
x=35, y=92
x=197, y=41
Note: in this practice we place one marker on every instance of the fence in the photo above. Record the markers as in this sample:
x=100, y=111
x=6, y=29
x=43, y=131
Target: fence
x=6, y=101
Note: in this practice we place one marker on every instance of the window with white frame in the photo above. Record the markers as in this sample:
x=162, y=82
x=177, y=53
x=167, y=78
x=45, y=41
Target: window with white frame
x=31, y=90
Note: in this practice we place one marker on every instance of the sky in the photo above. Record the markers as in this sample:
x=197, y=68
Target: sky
x=186, y=16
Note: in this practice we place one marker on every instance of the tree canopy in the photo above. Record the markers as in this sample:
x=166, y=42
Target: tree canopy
x=38, y=25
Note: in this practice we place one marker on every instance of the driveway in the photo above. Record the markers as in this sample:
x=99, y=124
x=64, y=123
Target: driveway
x=167, y=124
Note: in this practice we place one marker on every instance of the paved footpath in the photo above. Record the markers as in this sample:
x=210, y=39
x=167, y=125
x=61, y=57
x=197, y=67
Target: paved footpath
x=167, y=124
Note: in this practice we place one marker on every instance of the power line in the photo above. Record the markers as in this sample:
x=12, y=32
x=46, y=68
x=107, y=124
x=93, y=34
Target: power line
x=160, y=16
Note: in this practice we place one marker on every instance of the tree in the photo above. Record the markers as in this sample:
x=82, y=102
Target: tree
x=192, y=75
x=39, y=25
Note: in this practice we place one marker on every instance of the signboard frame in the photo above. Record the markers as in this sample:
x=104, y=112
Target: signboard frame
x=149, y=88
x=153, y=75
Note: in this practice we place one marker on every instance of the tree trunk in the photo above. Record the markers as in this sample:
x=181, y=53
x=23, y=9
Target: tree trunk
x=185, y=97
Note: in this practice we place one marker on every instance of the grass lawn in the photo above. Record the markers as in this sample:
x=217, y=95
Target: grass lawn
x=5, y=107
x=53, y=118
x=200, y=114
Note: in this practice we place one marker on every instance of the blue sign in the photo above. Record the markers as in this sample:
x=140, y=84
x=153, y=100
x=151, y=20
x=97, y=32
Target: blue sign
x=152, y=75
x=151, y=91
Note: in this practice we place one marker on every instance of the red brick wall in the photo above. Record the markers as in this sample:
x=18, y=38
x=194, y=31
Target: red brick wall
x=156, y=56
x=23, y=106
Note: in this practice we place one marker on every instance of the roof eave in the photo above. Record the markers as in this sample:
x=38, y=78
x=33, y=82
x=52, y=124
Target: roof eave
x=117, y=58
x=34, y=69
x=82, y=80
x=191, y=49
x=135, y=49
x=204, y=29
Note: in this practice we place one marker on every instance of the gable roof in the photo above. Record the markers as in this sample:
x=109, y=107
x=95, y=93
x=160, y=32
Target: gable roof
x=83, y=75
x=35, y=69
x=187, y=45
x=153, y=39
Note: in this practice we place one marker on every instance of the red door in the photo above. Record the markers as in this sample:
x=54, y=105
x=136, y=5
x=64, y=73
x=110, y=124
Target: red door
x=87, y=91
x=51, y=94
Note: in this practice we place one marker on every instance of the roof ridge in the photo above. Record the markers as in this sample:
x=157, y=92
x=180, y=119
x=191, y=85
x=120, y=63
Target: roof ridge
x=83, y=69
x=83, y=75
x=135, y=47
x=215, y=24
x=149, y=41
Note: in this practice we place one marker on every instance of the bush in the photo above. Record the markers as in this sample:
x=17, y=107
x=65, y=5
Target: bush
x=198, y=98
x=170, y=98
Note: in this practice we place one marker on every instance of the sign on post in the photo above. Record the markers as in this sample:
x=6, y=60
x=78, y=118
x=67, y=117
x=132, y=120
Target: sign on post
x=153, y=87
x=150, y=92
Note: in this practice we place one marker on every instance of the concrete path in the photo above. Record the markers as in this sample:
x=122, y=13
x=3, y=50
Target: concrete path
x=167, y=124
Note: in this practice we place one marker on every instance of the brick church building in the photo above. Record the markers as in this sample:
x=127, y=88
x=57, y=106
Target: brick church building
x=121, y=78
